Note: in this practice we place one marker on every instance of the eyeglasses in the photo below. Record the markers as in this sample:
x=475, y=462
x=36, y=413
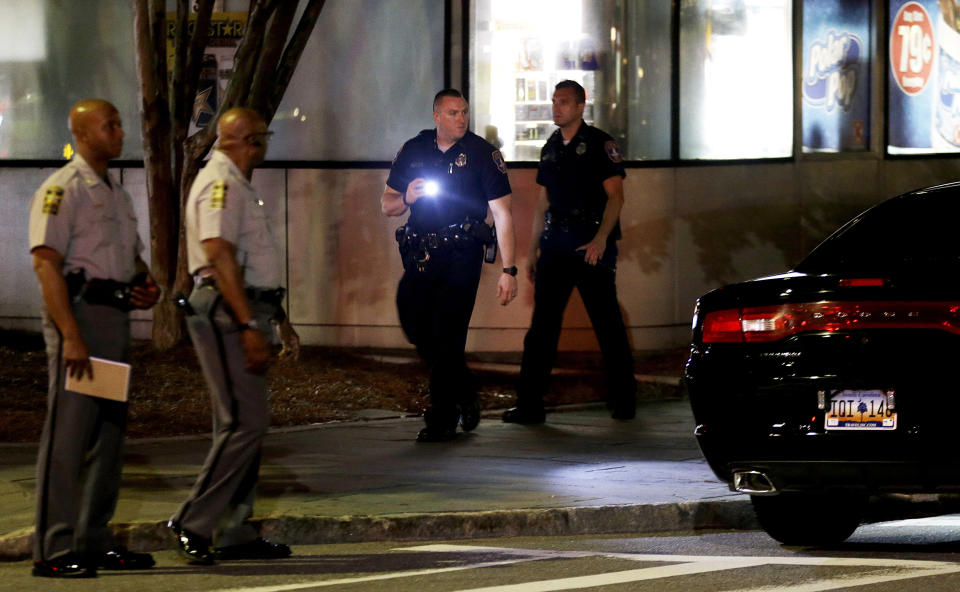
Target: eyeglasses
x=258, y=139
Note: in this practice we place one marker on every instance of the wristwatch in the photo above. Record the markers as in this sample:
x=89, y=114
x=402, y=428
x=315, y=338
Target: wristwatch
x=251, y=325
x=510, y=270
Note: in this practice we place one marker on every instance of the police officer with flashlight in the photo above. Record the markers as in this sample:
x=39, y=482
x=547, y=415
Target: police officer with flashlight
x=446, y=178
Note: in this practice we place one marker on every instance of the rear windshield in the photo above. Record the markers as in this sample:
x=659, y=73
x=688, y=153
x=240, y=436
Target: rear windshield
x=913, y=233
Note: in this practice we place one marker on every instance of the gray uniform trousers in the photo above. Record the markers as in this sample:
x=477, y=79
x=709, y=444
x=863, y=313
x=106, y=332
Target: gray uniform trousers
x=222, y=497
x=81, y=448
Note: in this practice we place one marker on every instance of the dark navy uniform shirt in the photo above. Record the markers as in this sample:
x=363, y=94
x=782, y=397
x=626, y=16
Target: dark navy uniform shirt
x=469, y=174
x=574, y=174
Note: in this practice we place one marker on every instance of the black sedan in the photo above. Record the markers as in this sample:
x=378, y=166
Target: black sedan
x=816, y=388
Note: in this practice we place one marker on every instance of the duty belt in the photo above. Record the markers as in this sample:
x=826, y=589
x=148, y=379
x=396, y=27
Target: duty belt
x=415, y=247
x=102, y=292
x=570, y=222
x=272, y=296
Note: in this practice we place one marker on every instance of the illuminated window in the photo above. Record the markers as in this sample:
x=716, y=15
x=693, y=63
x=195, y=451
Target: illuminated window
x=835, y=76
x=54, y=54
x=619, y=52
x=923, y=79
x=736, y=79
x=354, y=96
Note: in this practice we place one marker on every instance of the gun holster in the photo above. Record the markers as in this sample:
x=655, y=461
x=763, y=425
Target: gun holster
x=490, y=248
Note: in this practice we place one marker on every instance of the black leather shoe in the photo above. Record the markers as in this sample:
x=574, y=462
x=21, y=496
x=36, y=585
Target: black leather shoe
x=193, y=547
x=469, y=415
x=524, y=415
x=624, y=411
x=256, y=549
x=120, y=558
x=436, y=434
x=70, y=565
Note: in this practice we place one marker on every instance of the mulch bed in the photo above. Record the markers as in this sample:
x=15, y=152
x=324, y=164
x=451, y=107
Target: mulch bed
x=169, y=397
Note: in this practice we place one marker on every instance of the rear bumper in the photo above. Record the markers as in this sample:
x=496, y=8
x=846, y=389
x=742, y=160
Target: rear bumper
x=824, y=462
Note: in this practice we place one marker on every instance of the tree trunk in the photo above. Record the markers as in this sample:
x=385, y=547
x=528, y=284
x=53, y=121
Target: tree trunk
x=172, y=160
x=161, y=191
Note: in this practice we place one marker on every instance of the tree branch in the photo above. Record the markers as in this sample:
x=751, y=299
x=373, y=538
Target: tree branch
x=198, y=44
x=244, y=61
x=266, y=68
x=291, y=55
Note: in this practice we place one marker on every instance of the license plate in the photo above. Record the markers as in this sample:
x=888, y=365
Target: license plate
x=859, y=410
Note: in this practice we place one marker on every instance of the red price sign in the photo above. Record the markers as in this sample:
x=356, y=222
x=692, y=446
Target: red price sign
x=911, y=48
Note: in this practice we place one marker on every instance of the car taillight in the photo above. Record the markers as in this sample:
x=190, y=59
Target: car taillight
x=771, y=323
x=862, y=282
x=722, y=327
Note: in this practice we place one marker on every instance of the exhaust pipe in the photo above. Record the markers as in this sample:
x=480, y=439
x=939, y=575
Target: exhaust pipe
x=754, y=483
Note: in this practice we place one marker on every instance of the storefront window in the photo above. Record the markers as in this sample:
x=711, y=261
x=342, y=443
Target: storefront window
x=736, y=79
x=354, y=96
x=365, y=82
x=54, y=54
x=619, y=52
x=924, y=76
x=835, y=77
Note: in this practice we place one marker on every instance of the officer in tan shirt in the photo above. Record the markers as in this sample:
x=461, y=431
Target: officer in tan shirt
x=235, y=262
x=85, y=248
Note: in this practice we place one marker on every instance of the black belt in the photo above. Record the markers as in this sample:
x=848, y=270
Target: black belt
x=569, y=222
x=469, y=231
x=272, y=296
x=102, y=292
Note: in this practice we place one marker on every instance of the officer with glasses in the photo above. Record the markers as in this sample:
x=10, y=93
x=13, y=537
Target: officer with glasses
x=235, y=262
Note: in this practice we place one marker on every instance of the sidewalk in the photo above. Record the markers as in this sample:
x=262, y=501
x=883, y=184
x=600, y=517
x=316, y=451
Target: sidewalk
x=581, y=472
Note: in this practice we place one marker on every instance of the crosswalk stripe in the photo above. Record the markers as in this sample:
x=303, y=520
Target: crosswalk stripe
x=617, y=577
x=675, y=565
x=378, y=577
x=845, y=583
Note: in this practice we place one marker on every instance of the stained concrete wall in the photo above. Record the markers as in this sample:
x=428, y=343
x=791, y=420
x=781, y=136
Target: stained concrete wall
x=686, y=230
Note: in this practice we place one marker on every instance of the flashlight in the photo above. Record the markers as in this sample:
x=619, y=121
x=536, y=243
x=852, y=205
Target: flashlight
x=431, y=188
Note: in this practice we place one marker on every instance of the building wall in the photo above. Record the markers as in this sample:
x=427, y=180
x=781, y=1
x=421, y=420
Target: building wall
x=686, y=230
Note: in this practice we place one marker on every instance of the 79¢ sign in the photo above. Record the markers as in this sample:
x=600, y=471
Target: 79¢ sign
x=911, y=48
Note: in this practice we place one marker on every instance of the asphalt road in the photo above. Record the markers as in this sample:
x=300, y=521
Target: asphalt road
x=894, y=556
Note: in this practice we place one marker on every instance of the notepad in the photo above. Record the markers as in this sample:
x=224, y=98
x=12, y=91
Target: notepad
x=111, y=380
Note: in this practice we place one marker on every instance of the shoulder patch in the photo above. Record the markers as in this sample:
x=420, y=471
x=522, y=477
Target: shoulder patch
x=613, y=151
x=498, y=160
x=51, y=199
x=218, y=195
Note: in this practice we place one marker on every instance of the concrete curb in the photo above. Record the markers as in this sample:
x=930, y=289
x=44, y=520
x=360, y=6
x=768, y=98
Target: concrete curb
x=311, y=530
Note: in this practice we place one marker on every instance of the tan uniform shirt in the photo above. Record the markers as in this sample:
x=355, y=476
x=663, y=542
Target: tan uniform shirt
x=223, y=204
x=90, y=223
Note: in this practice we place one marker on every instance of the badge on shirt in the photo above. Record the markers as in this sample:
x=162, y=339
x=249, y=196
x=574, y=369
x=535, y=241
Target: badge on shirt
x=498, y=160
x=51, y=200
x=461, y=160
x=218, y=196
x=613, y=151
x=581, y=148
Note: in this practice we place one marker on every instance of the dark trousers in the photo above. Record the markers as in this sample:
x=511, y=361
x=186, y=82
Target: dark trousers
x=435, y=306
x=558, y=273
x=222, y=498
x=81, y=448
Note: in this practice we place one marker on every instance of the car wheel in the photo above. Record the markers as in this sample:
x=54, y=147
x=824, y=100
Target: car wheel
x=809, y=519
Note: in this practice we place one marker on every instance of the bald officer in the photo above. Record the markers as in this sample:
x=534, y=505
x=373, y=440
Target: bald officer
x=85, y=247
x=236, y=267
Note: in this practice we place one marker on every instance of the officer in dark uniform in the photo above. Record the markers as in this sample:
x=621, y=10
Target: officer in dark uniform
x=576, y=227
x=447, y=177
x=86, y=254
